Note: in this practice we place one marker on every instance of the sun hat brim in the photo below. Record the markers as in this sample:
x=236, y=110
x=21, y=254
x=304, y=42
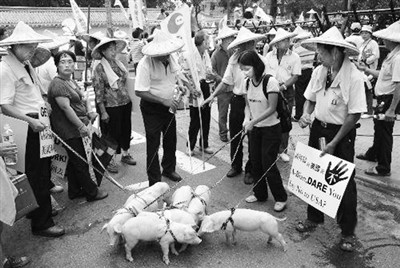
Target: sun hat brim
x=253, y=37
x=24, y=34
x=121, y=44
x=280, y=38
x=391, y=33
x=311, y=44
x=162, y=48
x=226, y=35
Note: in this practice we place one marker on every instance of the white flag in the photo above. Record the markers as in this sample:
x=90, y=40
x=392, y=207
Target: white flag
x=79, y=17
x=118, y=3
x=136, y=10
x=263, y=16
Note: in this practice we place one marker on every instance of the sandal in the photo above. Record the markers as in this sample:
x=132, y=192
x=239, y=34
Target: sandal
x=348, y=243
x=306, y=226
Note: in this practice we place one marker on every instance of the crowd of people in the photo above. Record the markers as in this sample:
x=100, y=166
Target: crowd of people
x=328, y=76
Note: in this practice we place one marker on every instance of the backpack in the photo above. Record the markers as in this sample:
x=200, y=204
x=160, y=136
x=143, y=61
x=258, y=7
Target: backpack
x=282, y=107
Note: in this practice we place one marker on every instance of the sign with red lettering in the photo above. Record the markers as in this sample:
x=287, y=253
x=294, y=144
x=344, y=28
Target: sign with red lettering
x=319, y=181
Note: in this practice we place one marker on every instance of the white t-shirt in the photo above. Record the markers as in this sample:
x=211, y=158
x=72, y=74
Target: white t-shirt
x=290, y=65
x=389, y=74
x=258, y=103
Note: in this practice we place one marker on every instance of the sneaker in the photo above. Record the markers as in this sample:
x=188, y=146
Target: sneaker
x=251, y=199
x=112, y=167
x=12, y=262
x=128, y=159
x=56, y=189
x=284, y=157
x=366, y=116
x=279, y=206
x=207, y=150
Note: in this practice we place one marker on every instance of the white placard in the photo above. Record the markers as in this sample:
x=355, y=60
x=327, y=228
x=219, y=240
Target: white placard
x=59, y=161
x=319, y=181
x=46, y=136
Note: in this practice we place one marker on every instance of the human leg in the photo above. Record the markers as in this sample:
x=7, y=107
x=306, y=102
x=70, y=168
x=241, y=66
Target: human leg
x=236, y=118
x=260, y=188
x=224, y=100
x=194, y=126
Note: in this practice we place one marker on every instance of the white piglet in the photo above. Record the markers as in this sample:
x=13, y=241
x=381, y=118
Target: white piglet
x=243, y=220
x=134, y=204
x=154, y=228
x=198, y=205
x=182, y=196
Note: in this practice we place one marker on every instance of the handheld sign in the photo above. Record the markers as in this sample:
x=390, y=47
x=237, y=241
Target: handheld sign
x=59, y=161
x=46, y=136
x=319, y=181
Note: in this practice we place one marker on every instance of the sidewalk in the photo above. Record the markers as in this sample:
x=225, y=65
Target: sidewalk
x=363, y=142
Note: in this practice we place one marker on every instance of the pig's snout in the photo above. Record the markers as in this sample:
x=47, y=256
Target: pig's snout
x=197, y=241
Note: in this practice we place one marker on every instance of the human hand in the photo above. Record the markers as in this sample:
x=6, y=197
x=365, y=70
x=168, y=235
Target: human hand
x=360, y=66
x=92, y=116
x=329, y=149
x=7, y=148
x=105, y=117
x=247, y=126
x=207, y=101
x=48, y=107
x=36, y=125
x=390, y=116
x=305, y=120
x=334, y=175
x=84, y=131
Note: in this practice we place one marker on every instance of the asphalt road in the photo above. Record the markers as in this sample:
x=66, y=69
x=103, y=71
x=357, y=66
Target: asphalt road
x=83, y=245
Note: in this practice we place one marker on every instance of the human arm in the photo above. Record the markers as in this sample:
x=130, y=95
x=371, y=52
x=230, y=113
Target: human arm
x=65, y=106
x=288, y=83
x=146, y=95
x=366, y=70
x=214, y=67
x=308, y=109
x=390, y=114
x=99, y=84
x=348, y=124
x=34, y=123
x=272, y=103
x=220, y=88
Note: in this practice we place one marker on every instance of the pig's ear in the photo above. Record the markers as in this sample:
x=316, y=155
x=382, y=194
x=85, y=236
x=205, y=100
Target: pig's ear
x=207, y=225
x=118, y=228
x=195, y=227
x=104, y=227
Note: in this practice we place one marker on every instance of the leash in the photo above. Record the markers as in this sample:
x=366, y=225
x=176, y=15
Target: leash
x=230, y=219
x=168, y=230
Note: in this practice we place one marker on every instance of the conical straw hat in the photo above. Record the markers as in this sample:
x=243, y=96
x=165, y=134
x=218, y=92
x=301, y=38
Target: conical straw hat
x=121, y=44
x=331, y=37
x=24, y=34
x=281, y=34
x=391, y=33
x=163, y=44
x=301, y=33
x=225, y=33
x=244, y=36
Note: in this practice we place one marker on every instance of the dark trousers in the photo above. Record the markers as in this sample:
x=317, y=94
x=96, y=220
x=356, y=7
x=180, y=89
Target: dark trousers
x=224, y=100
x=264, y=148
x=157, y=119
x=347, y=213
x=289, y=95
x=119, y=127
x=301, y=85
x=194, y=125
x=38, y=172
x=382, y=147
x=236, y=118
x=369, y=94
x=79, y=179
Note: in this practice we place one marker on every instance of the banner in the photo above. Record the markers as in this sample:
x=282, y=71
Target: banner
x=136, y=10
x=79, y=17
x=59, y=161
x=118, y=3
x=46, y=136
x=319, y=181
x=179, y=24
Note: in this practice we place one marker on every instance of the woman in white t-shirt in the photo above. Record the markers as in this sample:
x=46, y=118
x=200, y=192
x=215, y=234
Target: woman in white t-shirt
x=264, y=129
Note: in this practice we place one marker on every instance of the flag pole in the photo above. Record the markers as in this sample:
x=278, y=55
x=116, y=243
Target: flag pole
x=87, y=48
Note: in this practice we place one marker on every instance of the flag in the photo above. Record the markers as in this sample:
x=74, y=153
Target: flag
x=178, y=24
x=79, y=17
x=263, y=16
x=301, y=17
x=223, y=22
x=136, y=10
x=118, y=3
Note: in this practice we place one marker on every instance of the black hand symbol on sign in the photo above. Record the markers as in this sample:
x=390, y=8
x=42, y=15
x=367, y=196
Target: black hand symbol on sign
x=333, y=176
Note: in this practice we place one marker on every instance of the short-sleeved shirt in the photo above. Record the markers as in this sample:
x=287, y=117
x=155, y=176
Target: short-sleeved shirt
x=104, y=93
x=47, y=72
x=369, y=52
x=155, y=77
x=290, y=65
x=203, y=63
x=234, y=76
x=331, y=105
x=258, y=103
x=17, y=87
x=219, y=61
x=59, y=121
x=136, y=50
x=389, y=74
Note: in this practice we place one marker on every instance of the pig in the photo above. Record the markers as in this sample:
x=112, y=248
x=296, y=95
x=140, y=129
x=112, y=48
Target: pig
x=244, y=220
x=198, y=205
x=152, y=228
x=134, y=204
x=182, y=196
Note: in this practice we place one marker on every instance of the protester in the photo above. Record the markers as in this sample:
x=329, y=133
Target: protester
x=307, y=65
x=336, y=95
x=21, y=97
x=162, y=15
x=262, y=124
x=285, y=65
x=355, y=37
x=245, y=40
x=70, y=120
x=219, y=62
x=136, y=47
x=270, y=36
x=155, y=84
x=204, y=69
x=387, y=91
x=369, y=56
x=112, y=98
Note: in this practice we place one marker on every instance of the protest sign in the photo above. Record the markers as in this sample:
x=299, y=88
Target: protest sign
x=319, y=181
x=59, y=161
x=20, y=129
x=46, y=136
x=79, y=17
x=136, y=10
